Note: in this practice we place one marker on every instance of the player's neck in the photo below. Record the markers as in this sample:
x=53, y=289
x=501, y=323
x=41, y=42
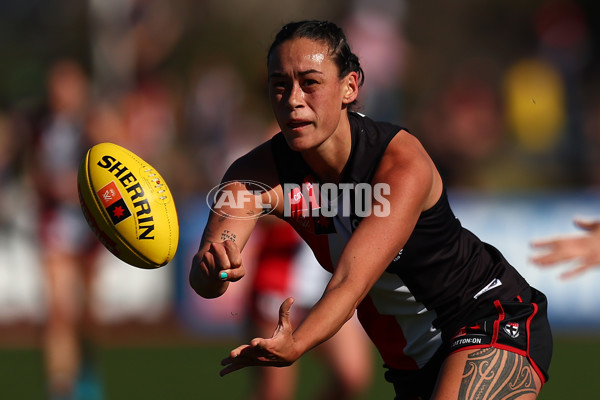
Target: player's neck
x=329, y=158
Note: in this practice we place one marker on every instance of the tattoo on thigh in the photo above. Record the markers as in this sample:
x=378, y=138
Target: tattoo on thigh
x=496, y=374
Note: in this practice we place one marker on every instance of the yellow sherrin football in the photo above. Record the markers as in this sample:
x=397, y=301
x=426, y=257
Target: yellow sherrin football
x=128, y=205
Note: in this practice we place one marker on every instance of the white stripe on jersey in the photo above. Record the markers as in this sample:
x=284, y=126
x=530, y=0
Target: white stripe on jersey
x=391, y=297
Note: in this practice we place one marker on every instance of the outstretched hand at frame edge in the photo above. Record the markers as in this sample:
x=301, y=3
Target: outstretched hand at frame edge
x=278, y=351
x=585, y=248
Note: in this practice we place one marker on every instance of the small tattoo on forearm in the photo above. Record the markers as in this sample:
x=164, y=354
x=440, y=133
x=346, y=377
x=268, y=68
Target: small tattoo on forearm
x=228, y=235
x=496, y=374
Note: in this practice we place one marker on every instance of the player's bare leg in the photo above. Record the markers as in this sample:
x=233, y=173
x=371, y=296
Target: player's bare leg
x=487, y=374
x=61, y=338
x=274, y=383
x=349, y=357
x=346, y=357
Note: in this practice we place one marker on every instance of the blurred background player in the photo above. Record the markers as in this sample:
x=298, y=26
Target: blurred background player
x=285, y=266
x=67, y=243
x=583, y=248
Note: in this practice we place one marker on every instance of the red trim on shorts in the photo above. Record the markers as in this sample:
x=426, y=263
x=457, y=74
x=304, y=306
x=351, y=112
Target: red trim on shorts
x=495, y=345
x=533, y=364
x=515, y=350
x=497, y=322
x=473, y=347
x=511, y=349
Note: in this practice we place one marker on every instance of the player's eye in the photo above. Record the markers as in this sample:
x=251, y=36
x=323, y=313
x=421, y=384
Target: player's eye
x=278, y=86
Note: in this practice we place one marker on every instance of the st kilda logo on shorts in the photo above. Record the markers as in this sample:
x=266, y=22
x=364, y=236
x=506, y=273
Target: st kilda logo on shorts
x=512, y=329
x=113, y=202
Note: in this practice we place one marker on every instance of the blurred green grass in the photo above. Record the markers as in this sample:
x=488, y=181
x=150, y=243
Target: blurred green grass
x=182, y=372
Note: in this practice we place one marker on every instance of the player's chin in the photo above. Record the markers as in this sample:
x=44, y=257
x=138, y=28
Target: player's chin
x=299, y=142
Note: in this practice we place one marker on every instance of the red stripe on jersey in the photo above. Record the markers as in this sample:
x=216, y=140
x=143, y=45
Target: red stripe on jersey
x=386, y=334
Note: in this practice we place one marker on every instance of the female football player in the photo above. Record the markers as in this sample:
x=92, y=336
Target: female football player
x=448, y=313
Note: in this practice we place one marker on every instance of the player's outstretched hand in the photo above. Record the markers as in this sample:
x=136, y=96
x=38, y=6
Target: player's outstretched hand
x=585, y=248
x=278, y=351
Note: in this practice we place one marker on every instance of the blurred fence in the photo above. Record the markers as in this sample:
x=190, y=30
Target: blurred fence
x=509, y=221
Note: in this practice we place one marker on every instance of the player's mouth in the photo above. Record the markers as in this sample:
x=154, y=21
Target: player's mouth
x=297, y=124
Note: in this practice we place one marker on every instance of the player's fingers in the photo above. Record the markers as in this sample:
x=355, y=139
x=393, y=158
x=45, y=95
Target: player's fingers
x=589, y=261
x=220, y=255
x=244, y=356
x=233, y=252
x=540, y=243
x=264, y=353
x=284, y=309
x=587, y=224
x=557, y=251
x=207, y=264
x=232, y=274
x=244, y=349
x=227, y=270
x=220, y=261
x=576, y=271
x=550, y=259
x=236, y=269
x=284, y=316
x=232, y=364
x=256, y=342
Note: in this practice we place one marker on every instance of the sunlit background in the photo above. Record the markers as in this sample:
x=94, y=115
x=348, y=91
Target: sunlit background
x=504, y=94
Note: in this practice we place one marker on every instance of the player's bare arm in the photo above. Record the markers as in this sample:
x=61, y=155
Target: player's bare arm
x=219, y=261
x=373, y=246
x=376, y=241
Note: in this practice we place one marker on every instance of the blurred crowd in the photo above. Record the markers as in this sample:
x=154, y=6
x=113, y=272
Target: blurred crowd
x=505, y=96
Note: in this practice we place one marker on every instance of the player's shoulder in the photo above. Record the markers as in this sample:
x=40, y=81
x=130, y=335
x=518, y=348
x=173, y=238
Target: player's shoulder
x=256, y=170
x=404, y=147
x=406, y=163
x=256, y=165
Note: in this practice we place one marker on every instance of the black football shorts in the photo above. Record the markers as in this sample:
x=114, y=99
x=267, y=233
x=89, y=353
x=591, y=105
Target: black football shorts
x=520, y=326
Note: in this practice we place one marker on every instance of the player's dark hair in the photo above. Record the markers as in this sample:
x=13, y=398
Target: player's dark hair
x=328, y=33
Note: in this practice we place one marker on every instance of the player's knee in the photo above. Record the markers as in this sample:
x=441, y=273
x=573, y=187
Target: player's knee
x=355, y=379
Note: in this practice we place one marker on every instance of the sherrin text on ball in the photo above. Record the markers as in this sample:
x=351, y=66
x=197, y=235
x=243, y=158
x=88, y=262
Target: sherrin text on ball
x=128, y=205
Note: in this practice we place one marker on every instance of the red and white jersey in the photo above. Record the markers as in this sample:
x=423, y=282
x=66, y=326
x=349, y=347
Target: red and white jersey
x=441, y=274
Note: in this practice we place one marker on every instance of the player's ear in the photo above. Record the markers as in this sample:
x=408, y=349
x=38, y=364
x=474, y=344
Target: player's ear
x=350, y=87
